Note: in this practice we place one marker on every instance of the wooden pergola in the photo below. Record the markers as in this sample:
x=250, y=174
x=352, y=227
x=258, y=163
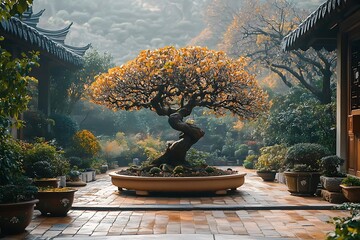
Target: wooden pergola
x=336, y=25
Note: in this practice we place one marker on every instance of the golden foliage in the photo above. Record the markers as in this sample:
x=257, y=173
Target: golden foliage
x=168, y=79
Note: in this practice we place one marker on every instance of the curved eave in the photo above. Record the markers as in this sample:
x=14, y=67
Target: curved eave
x=32, y=36
x=31, y=19
x=56, y=35
x=78, y=50
x=319, y=29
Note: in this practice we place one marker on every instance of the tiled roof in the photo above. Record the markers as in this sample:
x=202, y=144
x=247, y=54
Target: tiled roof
x=51, y=41
x=323, y=19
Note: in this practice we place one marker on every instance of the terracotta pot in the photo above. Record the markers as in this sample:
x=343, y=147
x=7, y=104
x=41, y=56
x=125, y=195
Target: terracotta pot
x=302, y=183
x=352, y=193
x=267, y=176
x=55, y=203
x=144, y=185
x=15, y=217
x=47, y=182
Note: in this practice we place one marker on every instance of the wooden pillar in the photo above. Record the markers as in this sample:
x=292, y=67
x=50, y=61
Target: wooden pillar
x=342, y=109
x=43, y=77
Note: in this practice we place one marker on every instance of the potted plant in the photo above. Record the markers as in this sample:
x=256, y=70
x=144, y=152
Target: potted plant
x=302, y=167
x=40, y=160
x=17, y=201
x=74, y=180
x=17, y=194
x=270, y=161
x=55, y=201
x=207, y=82
x=61, y=167
x=331, y=176
x=351, y=188
x=44, y=175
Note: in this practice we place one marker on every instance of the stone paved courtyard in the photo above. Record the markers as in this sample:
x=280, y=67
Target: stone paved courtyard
x=254, y=211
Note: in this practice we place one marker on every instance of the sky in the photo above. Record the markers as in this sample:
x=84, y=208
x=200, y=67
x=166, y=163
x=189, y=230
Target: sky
x=123, y=28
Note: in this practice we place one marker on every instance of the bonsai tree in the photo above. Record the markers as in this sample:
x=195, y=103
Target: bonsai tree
x=330, y=166
x=305, y=157
x=172, y=82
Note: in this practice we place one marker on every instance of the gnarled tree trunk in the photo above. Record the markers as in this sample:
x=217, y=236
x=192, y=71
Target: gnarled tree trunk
x=176, y=152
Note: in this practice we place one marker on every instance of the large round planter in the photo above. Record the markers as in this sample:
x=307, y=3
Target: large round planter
x=144, y=185
x=302, y=183
x=352, y=193
x=267, y=176
x=15, y=217
x=47, y=182
x=55, y=203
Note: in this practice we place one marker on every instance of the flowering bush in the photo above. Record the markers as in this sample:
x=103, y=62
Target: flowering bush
x=85, y=144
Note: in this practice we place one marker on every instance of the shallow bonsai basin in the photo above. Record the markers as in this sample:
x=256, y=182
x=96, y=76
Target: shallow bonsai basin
x=144, y=185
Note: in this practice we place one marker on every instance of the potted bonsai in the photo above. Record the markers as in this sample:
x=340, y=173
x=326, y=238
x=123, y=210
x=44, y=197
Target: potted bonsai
x=173, y=82
x=302, y=167
x=44, y=175
x=74, y=180
x=351, y=188
x=270, y=161
x=331, y=176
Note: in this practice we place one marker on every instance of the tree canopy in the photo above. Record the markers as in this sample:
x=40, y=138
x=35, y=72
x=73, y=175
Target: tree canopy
x=257, y=32
x=169, y=79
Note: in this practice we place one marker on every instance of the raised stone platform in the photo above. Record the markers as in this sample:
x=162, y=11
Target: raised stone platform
x=333, y=197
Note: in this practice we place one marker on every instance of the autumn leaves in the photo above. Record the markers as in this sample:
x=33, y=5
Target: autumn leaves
x=168, y=79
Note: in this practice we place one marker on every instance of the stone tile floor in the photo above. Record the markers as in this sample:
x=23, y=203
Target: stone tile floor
x=192, y=224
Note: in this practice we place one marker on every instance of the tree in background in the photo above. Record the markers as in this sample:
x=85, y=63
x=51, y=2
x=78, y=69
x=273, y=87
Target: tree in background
x=257, y=31
x=298, y=117
x=172, y=82
x=70, y=88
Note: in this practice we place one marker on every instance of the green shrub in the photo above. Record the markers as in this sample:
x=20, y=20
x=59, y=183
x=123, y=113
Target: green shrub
x=249, y=162
x=329, y=166
x=10, y=160
x=271, y=158
x=19, y=190
x=36, y=124
x=64, y=129
x=61, y=166
x=242, y=152
x=75, y=161
x=305, y=153
x=43, y=169
x=42, y=151
x=351, y=181
x=196, y=158
x=347, y=228
x=96, y=164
